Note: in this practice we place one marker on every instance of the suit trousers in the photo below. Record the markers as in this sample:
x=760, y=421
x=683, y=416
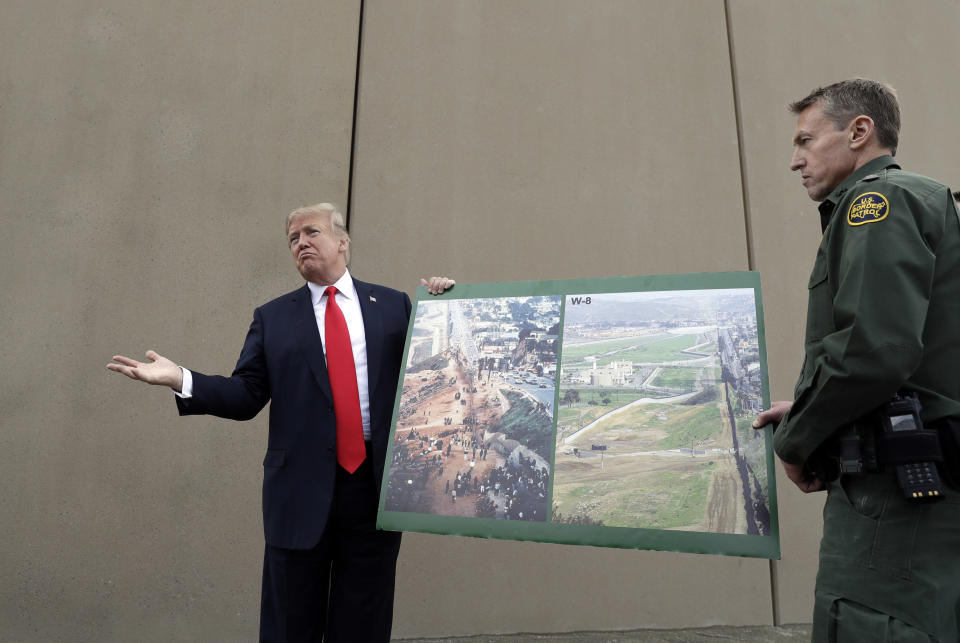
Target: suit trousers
x=341, y=591
x=889, y=568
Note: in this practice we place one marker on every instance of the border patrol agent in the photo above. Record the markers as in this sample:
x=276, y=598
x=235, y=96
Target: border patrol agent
x=876, y=412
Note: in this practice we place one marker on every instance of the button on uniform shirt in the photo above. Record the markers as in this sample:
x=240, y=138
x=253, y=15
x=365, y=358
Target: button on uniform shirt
x=350, y=307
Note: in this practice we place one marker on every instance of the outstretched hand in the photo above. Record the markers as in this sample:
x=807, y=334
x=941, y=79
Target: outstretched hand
x=437, y=285
x=159, y=370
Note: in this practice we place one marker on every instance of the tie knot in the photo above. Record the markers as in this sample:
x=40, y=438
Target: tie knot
x=331, y=291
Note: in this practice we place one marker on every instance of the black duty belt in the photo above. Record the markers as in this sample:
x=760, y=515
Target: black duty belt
x=893, y=439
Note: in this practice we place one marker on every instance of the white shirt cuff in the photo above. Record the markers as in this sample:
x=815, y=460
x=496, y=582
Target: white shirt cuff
x=187, y=388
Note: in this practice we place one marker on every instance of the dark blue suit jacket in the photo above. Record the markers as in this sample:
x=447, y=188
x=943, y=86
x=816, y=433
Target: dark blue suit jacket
x=282, y=360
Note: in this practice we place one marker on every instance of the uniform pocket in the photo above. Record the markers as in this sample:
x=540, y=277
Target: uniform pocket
x=856, y=490
x=873, y=524
x=819, y=302
x=849, y=522
x=818, y=275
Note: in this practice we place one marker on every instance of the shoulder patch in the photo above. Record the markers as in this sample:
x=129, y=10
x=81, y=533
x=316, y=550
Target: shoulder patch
x=867, y=208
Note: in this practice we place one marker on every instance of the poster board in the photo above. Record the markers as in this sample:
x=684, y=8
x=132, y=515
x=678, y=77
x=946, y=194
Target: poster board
x=609, y=412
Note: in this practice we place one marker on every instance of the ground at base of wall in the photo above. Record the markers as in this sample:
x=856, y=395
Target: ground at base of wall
x=718, y=634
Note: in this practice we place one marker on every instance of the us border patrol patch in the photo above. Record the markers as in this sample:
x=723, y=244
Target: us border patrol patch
x=867, y=208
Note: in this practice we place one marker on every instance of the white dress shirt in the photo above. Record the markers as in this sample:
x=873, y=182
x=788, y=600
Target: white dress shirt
x=349, y=305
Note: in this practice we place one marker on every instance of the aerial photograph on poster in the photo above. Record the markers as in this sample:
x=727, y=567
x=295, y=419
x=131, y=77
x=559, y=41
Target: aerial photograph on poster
x=611, y=412
x=657, y=394
x=474, y=423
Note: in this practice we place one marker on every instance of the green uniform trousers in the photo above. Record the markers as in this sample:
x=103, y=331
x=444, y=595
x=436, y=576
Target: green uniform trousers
x=889, y=569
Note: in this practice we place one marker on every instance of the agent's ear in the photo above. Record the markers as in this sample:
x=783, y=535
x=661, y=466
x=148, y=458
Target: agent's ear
x=861, y=131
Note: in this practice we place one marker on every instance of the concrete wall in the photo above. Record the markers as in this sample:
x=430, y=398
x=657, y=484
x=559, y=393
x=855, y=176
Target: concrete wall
x=150, y=150
x=149, y=154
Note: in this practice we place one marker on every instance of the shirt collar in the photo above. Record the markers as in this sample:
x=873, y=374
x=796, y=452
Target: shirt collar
x=344, y=285
x=873, y=166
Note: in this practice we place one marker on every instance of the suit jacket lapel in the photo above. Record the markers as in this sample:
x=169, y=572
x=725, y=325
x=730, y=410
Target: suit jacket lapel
x=373, y=329
x=308, y=336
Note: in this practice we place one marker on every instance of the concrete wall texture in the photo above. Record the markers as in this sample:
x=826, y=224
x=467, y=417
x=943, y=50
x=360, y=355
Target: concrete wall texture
x=151, y=150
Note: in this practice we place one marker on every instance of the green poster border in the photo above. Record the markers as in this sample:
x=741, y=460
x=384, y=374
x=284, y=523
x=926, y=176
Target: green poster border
x=622, y=537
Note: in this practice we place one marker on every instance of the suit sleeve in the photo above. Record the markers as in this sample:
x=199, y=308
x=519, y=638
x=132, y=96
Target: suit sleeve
x=240, y=396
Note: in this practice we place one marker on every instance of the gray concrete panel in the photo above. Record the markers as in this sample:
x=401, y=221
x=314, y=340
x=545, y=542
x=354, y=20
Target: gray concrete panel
x=515, y=141
x=534, y=140
x=451, y=586
x=149, y=153
x=783, y=51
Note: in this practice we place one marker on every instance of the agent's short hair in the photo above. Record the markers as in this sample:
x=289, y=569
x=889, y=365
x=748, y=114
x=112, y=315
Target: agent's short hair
x=956, y=196
x=844, y=101
x=334, y=218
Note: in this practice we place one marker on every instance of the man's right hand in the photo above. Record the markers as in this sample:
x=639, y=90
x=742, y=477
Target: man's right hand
x=159, y=370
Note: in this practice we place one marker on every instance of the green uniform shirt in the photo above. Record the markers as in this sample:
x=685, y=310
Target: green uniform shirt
x=884, y=306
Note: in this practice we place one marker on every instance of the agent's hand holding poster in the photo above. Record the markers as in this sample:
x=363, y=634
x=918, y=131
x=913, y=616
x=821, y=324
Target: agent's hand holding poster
x=613, y=412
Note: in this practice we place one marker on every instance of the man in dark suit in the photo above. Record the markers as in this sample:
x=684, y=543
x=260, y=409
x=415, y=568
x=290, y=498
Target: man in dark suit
x=328, y=574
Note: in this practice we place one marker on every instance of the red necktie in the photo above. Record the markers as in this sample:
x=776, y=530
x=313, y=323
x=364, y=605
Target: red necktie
x=343, y=382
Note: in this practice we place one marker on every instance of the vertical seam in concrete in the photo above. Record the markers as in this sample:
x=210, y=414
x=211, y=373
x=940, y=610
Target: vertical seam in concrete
x=747, y=223
x=748, y=233
x=348, y=210
x=775, y=593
